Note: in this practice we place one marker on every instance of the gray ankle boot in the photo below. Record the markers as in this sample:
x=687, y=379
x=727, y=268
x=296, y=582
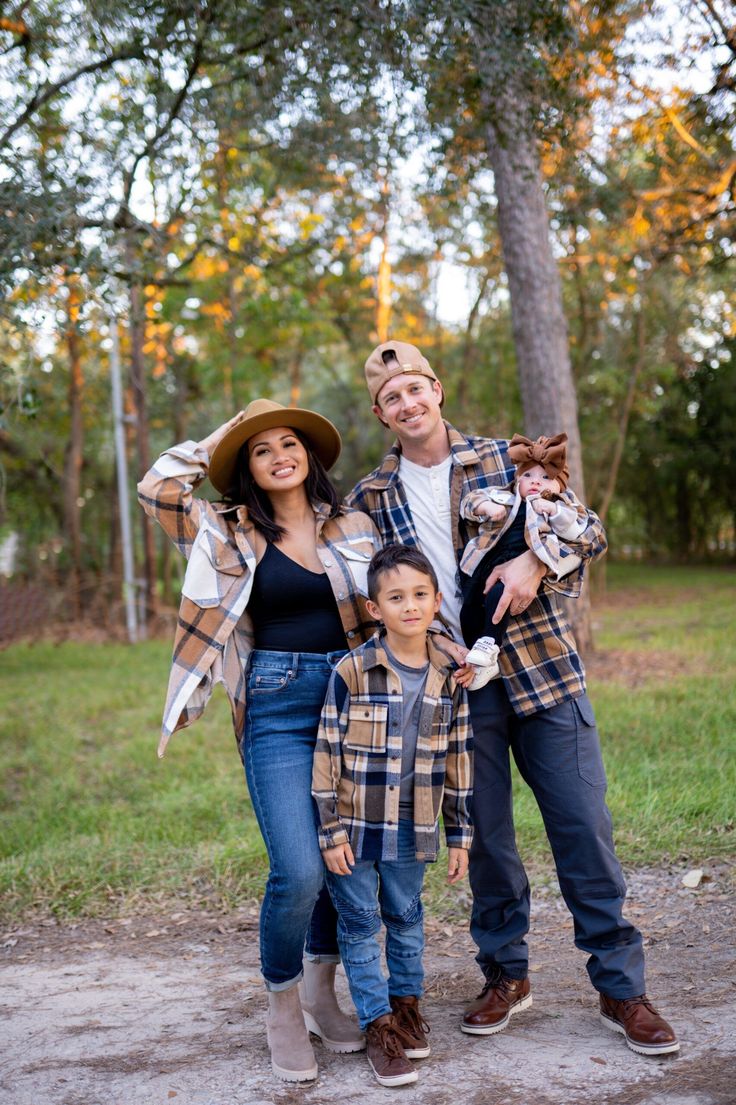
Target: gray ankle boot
x=322, y=1014
x=292, y=1057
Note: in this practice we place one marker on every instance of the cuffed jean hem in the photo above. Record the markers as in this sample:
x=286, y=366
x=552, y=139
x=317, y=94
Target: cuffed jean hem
x=321, y=958
x=363, y=1023
x=279, y=987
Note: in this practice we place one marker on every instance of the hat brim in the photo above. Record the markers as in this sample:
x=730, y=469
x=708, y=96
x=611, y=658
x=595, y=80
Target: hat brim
x=318, y=430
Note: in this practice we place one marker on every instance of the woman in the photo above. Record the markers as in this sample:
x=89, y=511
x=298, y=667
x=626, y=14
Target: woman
x=273, y=596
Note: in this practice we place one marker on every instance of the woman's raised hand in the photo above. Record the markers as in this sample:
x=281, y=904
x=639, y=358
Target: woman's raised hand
x=208, y=443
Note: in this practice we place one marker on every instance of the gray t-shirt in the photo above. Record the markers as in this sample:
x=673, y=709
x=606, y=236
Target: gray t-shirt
x=413, y=681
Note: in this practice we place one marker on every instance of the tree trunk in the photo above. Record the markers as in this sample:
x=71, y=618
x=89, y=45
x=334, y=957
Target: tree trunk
x=114, y=588
x=469, y=344
x=538, y=321
x=74, y=452
x=143, y=446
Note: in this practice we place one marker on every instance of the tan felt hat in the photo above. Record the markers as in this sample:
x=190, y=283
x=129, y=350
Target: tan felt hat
x=264, y=414
x=406, y=358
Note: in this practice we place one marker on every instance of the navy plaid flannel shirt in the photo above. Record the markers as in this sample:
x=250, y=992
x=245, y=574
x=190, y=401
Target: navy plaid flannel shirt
x=539, y=662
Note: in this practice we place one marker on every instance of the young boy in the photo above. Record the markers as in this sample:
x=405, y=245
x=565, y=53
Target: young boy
x=394, y=747
x=507, y=529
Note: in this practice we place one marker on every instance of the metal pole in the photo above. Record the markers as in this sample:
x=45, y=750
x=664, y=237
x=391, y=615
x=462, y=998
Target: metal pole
x=129, y=583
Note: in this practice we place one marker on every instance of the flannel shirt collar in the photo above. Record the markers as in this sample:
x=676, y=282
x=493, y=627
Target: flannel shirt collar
x=322, y=510
x=387, y=473
x=375, y=655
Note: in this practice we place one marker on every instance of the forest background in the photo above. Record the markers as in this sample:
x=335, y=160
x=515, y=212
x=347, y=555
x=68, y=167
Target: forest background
x=540, y=195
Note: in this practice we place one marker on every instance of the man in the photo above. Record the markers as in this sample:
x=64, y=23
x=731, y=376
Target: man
x=538, y=710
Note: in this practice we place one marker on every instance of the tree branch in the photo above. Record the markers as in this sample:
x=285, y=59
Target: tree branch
x=164, y=126
x=50, y=90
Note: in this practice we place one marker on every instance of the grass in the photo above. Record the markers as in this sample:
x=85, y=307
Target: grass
x=91, y=823
x=666, y=712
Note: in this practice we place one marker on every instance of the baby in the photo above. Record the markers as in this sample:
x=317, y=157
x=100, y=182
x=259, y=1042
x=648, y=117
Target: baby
x=506, y=530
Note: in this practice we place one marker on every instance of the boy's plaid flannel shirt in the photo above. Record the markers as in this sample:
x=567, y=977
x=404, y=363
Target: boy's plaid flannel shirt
x=357, y=759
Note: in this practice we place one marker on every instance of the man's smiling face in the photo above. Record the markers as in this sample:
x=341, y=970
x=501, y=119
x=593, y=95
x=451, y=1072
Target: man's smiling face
x=409, y=405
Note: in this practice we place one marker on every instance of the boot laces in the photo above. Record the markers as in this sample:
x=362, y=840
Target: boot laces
x=630, y=1004
x=497, y=981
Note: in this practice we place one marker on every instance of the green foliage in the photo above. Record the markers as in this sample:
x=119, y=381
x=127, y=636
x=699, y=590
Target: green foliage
x=244, y=164
x=92, y=823
x=683, y=443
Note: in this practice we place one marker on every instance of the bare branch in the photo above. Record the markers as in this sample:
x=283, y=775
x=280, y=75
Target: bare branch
x=164, y=126
x=50, y=90
x=729, y=33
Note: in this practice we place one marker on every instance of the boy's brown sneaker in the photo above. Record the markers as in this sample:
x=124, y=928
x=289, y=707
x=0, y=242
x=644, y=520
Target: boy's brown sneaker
x=386, y=1054
x=413, y=1026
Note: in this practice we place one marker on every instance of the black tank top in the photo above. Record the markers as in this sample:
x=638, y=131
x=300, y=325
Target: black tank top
x=293, y=609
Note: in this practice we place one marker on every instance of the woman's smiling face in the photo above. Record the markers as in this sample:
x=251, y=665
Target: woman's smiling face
x=277, y=460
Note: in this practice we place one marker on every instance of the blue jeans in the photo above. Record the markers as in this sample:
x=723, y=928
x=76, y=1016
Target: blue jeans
x=285, y=694
x=388, y=891
x=558, y=754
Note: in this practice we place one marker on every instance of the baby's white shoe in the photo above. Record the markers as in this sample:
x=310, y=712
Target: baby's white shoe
x=483, y=676
x=483, y=654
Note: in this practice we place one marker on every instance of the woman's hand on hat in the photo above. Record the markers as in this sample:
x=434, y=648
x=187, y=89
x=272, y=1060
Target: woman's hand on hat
x=210, y=442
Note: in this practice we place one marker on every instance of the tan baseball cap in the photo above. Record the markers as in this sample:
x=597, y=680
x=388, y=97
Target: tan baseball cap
x=404, y=358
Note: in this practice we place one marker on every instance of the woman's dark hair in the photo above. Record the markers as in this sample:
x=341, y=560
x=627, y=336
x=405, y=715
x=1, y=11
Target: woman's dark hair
x=244, y=491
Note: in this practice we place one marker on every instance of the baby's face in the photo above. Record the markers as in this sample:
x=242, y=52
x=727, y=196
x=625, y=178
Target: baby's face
x=535, y=480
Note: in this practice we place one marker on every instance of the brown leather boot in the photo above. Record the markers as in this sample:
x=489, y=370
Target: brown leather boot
x=386, y=1054
x=644, y=1030
x=413, y=1026
x=498, y=1000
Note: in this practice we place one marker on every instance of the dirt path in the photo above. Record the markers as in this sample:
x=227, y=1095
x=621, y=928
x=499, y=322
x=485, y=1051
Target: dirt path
x=171, y=1010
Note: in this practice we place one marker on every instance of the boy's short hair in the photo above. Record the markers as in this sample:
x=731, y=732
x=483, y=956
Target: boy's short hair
x=393, y=556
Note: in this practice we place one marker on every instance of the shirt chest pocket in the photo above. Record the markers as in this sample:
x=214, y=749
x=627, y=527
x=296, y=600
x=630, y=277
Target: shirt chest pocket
x=367, y=726
x=439, y=737
x=213, y=565
x=357, y=559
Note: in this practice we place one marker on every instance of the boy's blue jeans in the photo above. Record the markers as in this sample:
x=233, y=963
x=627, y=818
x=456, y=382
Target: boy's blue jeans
x=376, y=891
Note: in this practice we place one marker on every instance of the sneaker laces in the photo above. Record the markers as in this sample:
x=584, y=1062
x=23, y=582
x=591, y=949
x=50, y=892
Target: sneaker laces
x=388, y=1037
x=413, y=1021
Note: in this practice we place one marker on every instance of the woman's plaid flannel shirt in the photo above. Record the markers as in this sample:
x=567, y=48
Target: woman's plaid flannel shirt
x=214, y=634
